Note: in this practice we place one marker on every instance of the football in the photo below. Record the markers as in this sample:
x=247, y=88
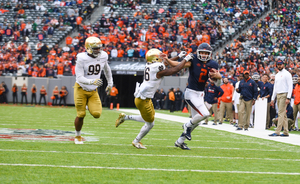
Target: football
x=212, y=71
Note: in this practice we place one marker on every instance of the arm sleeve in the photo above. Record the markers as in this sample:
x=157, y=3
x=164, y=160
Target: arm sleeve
x=108, y=74
x=221, y=92
x=79, y=71
x=274, y=93
x=255, y=91
x=290, y=85
x=240, y=89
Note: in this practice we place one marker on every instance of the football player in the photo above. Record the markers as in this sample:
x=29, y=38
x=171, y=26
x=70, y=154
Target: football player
x=154, y=72
x=89, y=66
x=201, y=67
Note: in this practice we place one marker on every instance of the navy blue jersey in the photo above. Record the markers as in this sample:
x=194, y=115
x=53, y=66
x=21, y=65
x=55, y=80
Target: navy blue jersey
x=212, y=91
x=265, y=90
x=199, y=73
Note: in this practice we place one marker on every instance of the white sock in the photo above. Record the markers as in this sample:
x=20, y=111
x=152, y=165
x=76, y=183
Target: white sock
x=135, y=118
x=189, y=124
x=181, y=139
x=144, y=131
x=78, y=133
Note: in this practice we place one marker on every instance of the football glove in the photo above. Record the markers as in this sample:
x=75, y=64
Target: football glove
x=108, y=90
x=182, y=54
x=189, y=57
x=97, y=82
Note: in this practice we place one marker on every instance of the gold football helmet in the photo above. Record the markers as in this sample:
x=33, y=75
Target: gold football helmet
x=93, y=46
x=152, y=56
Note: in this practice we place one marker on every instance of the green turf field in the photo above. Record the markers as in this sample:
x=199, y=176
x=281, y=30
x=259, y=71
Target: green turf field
x=109, y=157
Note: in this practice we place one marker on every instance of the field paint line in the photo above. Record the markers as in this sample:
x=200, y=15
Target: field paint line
x=151, y=155
x=263, y=134
x=148, y=169
x=13, y=140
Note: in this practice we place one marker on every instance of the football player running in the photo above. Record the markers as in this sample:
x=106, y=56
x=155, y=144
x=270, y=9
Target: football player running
x=200, y=69
x=154, y=72
x=89, y=66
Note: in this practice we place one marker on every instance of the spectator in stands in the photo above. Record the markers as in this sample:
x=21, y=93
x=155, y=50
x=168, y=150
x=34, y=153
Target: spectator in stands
x=91, y=7
x=282, y=91
x=33, y=94
x=44, y=49
x=15, y=94
x=50, y=31
x=43, y=94
x=114, y=52
x=40, y=7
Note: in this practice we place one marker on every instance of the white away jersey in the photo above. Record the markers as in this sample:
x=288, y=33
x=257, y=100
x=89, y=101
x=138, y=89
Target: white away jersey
x=87, y=69
x=150, y=83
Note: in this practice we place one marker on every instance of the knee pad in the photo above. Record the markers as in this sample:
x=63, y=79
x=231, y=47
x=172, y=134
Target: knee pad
x=80, y=114
x=96, y=114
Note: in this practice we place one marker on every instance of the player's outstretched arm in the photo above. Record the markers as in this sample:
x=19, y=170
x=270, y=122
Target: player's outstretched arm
x=173, y=63
x=108, y=75
x=173, y=70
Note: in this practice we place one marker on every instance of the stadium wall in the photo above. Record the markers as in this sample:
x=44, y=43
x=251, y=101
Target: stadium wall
x=124, y=83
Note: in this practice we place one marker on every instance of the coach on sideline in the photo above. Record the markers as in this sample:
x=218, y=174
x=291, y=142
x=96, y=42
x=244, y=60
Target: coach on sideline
x=283, y=88
x=248, y=91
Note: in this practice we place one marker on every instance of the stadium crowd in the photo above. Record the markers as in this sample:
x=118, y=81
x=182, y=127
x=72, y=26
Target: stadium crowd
x=17, y=38
x=127, y=38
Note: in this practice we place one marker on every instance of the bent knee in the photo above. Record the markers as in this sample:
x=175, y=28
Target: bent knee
x=96, y=114
x=80, y=114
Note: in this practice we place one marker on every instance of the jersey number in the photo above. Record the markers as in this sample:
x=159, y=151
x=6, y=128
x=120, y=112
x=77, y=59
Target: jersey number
x=146, y=74
x=94, y=70
x=203, y=73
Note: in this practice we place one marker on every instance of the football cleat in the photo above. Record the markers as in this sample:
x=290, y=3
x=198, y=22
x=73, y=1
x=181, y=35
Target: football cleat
x=187, y=132
x=182, y=146
x=78, y=140
x=120, y=119
x=138, y=145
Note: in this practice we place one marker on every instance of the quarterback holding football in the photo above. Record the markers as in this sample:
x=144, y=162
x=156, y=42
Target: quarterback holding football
x=89, y=66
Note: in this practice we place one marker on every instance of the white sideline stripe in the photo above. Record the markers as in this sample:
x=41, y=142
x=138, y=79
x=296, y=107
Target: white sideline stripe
x=147, y=169
x=264, y=134
x=151, y=155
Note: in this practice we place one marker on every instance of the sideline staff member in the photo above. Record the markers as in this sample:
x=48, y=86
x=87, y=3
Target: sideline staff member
x=248, y=92
x=283, y=88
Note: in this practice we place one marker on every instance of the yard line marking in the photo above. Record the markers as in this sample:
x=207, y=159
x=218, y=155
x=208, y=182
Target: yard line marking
x=148, y=169
x=143, y=139
x=150, y=155
x=90, y=143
